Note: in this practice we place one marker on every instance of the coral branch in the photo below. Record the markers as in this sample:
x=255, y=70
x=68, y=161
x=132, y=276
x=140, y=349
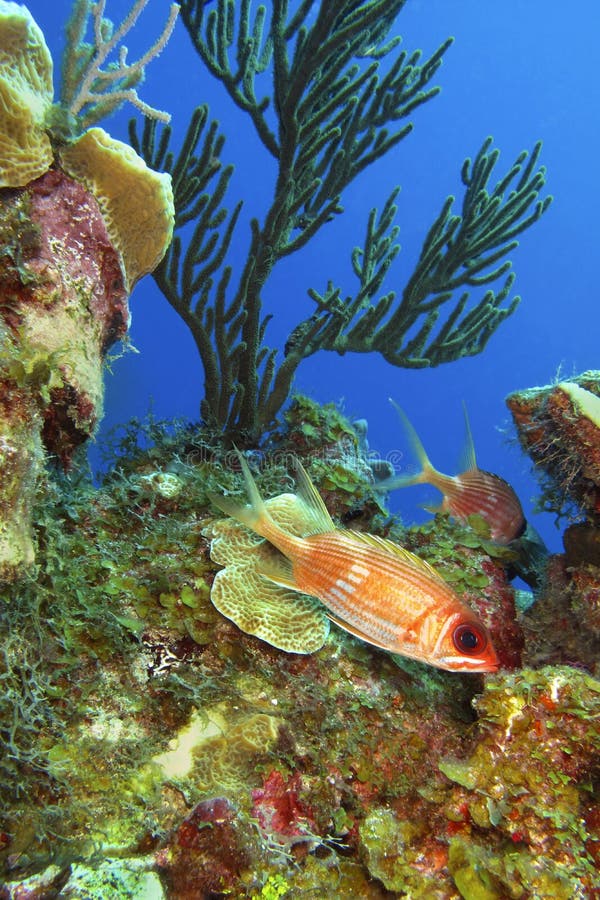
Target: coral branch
x=90, y=92
x=459, y=251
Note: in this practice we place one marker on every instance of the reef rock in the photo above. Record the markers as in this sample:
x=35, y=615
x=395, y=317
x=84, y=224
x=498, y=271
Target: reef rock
x=559, y=427
x=210, y=763
x=63, y=305
x=79, y=225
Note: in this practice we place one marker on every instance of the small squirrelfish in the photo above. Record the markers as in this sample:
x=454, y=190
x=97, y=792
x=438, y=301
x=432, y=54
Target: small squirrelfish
x=472, y=492
x=369, y=586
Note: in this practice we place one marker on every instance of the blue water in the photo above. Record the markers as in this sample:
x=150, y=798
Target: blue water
x=520, y=70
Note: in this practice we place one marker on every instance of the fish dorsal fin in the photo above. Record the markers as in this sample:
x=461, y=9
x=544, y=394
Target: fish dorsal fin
x=310, y=497
x=467, y=458
x=401, y=553
x=419, y=450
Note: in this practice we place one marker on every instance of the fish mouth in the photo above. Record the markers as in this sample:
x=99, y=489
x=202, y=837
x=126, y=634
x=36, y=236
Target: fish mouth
x=463, y=664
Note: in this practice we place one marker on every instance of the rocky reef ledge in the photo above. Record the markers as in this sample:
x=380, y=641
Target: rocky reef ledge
x=152, y=749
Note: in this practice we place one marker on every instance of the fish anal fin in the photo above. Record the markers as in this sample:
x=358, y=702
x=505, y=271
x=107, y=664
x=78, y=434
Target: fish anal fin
x=356, y=632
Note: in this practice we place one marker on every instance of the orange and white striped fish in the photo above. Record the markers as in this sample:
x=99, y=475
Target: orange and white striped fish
x=473, y=491
x=369, y=586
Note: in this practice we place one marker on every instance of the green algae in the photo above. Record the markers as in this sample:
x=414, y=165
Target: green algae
x=131, y=878
x=391, y=848
x=319, y=426
x=482, y=875
x=440, y=539
x=276, y=886
x=471, y=878
x=19, y=239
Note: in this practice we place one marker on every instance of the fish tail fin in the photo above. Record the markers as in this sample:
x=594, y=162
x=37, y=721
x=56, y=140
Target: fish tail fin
x=254, y=515
x=427, y=470
x=400, y=481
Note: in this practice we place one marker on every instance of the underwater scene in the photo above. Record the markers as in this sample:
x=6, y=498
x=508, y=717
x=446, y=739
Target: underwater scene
x=299, y=450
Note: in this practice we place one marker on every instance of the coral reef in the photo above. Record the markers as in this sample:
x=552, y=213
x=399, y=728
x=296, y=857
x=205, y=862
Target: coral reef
x=26, y=94
x=210, y=851
x=533, y=763
x=152, y=747
x=158, y=745
x=559, y=427
x=328, y=93
x=80, y=223
x=61, y=310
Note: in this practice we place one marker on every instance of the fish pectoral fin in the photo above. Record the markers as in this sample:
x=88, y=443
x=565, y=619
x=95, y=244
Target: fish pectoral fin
x=355, y=632
x=278, y=569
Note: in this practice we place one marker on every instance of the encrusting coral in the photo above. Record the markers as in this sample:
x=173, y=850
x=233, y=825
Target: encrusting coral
x=82, y=218
x=328, y=94
x=25, y=96
x=285, y=619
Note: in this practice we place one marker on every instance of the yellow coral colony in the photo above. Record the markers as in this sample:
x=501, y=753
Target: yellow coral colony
x=215, y=749
x=285, y=619
x=136, y=202
x=25, y=97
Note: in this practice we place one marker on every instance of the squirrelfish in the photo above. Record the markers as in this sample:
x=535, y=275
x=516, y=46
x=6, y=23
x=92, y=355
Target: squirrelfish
x=369, y=586
x=472, y=492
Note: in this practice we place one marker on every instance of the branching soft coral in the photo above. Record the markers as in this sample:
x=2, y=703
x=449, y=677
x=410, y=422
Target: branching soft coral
x=329, y=94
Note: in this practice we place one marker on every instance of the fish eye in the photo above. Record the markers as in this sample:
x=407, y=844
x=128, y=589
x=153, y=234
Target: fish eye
x=469, y=638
